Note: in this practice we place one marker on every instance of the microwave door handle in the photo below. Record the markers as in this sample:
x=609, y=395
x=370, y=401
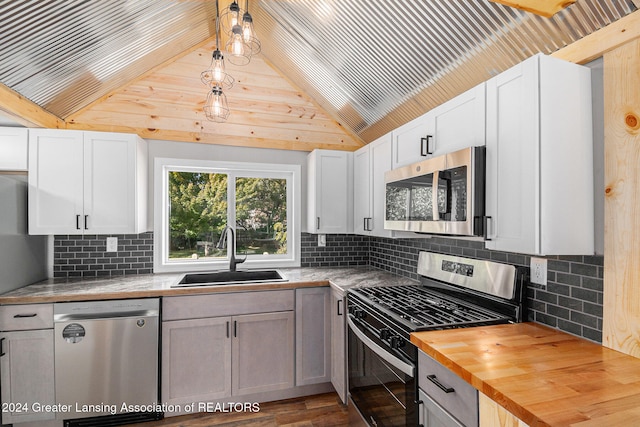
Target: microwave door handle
x=434, y=196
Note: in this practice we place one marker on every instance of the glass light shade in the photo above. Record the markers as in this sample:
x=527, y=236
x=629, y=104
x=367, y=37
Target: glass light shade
x=216, y=108
x=216, y=74
x=231, y=16
x=239, y=53
x=249, y=34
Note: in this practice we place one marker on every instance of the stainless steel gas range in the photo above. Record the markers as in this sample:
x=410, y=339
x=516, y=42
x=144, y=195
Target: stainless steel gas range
x=453, y=292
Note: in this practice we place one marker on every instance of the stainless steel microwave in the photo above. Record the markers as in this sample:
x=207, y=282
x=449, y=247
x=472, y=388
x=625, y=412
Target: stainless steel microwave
x=440, y=195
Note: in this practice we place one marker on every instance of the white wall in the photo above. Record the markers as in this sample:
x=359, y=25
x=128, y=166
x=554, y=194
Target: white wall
x=187, y=150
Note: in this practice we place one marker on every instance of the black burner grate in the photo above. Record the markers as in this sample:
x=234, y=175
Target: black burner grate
x=420, y=308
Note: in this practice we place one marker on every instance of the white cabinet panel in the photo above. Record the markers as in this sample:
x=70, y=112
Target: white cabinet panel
x=86, y=182
x=330, y=192
x=540, y=159
x=56, y=177
x=14, y=152
x=369, y=165
x=456, y=124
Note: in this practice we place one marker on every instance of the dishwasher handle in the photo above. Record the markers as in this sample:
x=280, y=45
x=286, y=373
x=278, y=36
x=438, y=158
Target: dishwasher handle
x=104, y=315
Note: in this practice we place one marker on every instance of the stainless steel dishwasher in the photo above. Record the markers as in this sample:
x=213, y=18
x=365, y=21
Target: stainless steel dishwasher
x=106, y=356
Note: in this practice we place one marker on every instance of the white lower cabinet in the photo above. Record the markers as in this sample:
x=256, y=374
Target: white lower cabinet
x=26, y=362
x=313, y=336
x=339, y=344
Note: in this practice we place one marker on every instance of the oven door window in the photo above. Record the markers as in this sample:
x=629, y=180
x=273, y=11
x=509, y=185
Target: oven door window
x=384, y=395
x=410, y=199
x=452, y=194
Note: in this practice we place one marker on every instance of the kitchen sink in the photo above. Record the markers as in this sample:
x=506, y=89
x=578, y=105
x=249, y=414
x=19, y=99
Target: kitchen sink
x=230, y=278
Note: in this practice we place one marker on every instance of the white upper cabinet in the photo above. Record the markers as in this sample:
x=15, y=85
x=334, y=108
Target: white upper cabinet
x=330, y=192
x=456, y=124
x=369, y=165
x=540, y=159
x=87, y=182
x=14, y=151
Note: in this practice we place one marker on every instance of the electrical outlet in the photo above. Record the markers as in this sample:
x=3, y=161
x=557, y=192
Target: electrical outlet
x=112, y=244
x=322, y=240
x=539, y=271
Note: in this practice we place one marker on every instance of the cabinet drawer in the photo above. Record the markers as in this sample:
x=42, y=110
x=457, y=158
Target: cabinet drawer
x=25, y=317
x=462, y=402
x=232, y=304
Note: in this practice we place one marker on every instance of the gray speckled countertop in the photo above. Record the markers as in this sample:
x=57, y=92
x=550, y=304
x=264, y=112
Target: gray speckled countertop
x=156, y=285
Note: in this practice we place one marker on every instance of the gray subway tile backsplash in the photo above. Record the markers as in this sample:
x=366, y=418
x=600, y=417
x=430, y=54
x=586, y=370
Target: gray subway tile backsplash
x=571, y=301
x=87, y=256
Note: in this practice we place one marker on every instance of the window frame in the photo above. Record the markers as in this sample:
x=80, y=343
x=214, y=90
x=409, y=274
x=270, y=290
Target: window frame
x=163, y=166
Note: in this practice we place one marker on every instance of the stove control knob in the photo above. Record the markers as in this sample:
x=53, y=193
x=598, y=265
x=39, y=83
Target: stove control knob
x=358, y=313
x=397, y=342
x=385, y=333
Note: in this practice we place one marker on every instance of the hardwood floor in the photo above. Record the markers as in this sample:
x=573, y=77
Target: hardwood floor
x=323, y=410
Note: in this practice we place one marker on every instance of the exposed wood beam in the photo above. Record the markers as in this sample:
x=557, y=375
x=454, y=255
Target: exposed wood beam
x=621, y=316
x=212, y=138
x=25, y=111
x=546, y=8
x=602, y=41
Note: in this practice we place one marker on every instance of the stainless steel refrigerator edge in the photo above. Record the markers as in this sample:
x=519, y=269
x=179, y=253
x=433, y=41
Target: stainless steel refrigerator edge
x=23, y=258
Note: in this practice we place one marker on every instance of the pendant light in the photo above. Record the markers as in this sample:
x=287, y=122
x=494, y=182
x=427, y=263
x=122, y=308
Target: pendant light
x=216, y=108
x=238, y=24
x=248, y=33
x=216, y=74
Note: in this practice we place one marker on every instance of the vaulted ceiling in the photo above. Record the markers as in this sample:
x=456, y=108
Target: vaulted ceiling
x=332, y=73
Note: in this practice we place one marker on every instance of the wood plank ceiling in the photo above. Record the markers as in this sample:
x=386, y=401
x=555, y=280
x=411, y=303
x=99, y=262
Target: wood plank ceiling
x=266, y=109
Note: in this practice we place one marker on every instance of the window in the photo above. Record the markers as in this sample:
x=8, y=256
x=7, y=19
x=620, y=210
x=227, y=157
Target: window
x=197, y=200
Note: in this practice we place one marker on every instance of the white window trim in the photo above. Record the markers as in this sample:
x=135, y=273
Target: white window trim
x=162, y=167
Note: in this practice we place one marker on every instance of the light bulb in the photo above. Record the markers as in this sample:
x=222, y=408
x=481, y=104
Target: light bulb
x=237, y=45
x=235, y=13
x=217, y=107
x=247, y=27
x=218, y=71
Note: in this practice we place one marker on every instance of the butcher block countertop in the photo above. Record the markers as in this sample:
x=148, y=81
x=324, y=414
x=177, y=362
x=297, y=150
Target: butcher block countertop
x=543, y=376
x=157, y=285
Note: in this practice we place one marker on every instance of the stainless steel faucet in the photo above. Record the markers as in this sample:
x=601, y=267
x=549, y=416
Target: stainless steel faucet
x=222, y=243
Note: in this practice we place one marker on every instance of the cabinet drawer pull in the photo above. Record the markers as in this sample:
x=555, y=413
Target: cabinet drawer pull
x=227, y=329
x=441, y=386
x=23, y=316
x=424, y=146
x=86, y=221
x=338, y=307
x=77, y=222
x=235, y=329
x=318, y=223
x=2, y=353
x=487, y=221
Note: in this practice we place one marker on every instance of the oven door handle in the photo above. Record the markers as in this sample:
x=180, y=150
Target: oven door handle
x=384, y=354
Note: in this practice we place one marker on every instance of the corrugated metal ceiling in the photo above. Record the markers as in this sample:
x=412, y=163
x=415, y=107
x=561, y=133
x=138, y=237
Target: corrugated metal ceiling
x=377, y=65
x=64, y=55
x=373, y=65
